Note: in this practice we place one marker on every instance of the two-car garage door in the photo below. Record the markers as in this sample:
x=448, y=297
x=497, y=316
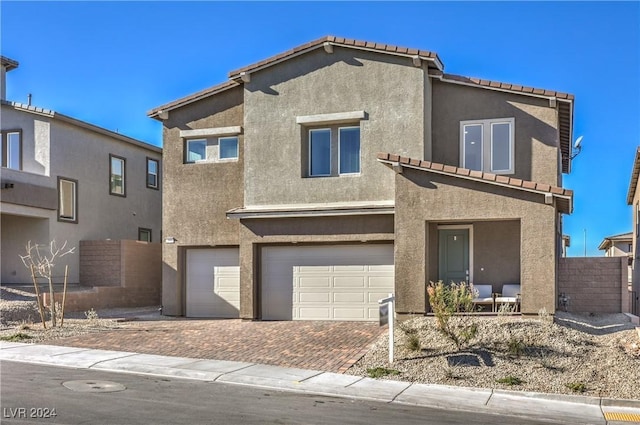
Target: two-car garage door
x=325, y=282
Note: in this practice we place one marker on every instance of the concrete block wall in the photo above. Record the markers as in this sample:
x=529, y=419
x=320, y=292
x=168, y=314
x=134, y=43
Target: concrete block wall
x=594, y=284
x=116, y=274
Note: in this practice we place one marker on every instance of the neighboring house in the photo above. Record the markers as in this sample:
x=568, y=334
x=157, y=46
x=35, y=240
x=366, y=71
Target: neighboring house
x=617, y=245
x=633, y=199
x=317, y=181
x=69, y=180
x=566, y=243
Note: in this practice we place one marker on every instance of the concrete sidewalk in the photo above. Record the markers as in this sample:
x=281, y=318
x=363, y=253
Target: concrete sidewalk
x=544, y=407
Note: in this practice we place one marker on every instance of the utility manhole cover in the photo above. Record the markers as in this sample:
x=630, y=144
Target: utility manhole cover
x=94, y=386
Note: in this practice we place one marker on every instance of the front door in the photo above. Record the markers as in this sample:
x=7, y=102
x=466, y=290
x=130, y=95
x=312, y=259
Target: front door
x=453, y=264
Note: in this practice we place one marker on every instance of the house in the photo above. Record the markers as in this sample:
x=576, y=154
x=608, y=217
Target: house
x=633, y=199
x=617, y=245
x=68, y=180
x=319, y=180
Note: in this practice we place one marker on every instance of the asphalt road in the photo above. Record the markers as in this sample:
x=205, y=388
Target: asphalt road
x=31, y=394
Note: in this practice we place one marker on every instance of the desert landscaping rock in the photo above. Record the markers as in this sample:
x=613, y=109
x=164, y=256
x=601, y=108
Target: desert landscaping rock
x=576, y=354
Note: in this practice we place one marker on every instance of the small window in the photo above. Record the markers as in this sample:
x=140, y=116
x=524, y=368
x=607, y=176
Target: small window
x=488, y=145
x=12, y=149
x=196, y=150
x=67, y=200
x=153, y=171
x=144, y=234
x=117, y=181
x=320, y=152
x=228, y=147
x=349, y=148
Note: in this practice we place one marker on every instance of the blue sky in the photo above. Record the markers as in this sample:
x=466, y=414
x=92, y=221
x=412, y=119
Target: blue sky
x=109, y=63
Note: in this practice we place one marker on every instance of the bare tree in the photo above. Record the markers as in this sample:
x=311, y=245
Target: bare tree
x=41, y=260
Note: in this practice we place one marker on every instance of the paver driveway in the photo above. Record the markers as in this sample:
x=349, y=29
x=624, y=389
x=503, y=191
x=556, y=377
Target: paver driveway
x=327, y=346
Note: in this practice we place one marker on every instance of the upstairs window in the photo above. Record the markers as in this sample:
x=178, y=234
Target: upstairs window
x=211, y=149
x=12, y=149
x=67, y=200
x=117, y=171
x=144, y=234
x=334, y=151
x=153, y=172
x=488, y=145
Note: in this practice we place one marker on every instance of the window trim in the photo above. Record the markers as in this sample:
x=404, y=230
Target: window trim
x=5, y=146
x=487, y=147
x=157, y=174
x=309, y=174
x=145, y=229
x=75, y=200
x=124, y=175
x=231, y=158
x=359, y=150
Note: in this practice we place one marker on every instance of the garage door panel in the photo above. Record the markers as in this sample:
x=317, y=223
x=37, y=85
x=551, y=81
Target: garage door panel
x=349, y=282
x=314, y=282
x=349, y=297
x=213, y=283
x=314, y=297
x=341, y=282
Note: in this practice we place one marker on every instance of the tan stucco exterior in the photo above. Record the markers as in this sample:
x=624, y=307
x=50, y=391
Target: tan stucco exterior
x=55, y=146
x=405, y=111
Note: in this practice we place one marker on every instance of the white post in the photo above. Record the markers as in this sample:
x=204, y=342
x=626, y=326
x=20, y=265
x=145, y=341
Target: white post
x=391, y=314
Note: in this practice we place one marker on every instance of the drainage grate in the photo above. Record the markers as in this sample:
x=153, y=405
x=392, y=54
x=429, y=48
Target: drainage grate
x=623, y=417
x=94, y=386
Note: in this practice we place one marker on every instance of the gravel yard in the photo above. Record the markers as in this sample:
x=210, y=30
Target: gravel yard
x=574, y=354
x=587, y=355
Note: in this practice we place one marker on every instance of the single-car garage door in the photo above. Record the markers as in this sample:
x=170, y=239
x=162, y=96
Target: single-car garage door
x=213, y=283
x=325, y=282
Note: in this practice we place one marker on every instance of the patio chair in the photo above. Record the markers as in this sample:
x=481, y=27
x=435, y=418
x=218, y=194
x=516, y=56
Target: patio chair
x=484, y=295
x=510, y=295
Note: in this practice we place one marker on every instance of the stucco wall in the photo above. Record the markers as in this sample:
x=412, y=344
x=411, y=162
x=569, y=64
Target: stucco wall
x=536, y=127
x=594, y=284
x=424, y=200
x=197, y=196
x=389, y=89
x=17, y=231
x=52, y=148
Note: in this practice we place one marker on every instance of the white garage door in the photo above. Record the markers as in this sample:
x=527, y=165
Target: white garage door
x=328, y=282
x=213, y=283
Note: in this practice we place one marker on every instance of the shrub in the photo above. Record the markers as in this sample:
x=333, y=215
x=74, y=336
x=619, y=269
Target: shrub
x=379, y=372
x=516, y=347
x=510, y=380
x=447, y=300
x=577, y=387
x=413, y=342
x=16, y=337
x=92, y=317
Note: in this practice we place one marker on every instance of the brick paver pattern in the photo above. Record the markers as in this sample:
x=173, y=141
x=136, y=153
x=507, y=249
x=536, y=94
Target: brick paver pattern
x=326, y=346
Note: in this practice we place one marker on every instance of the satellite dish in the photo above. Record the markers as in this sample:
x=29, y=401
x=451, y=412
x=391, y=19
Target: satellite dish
x=578, y=142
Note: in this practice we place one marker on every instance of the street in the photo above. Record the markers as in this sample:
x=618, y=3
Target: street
x=34, y=394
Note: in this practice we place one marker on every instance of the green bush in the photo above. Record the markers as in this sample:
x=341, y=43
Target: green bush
x=446, y=301
x=577, y=387
x=16, y=337
x=379, y=372
x=510, y=380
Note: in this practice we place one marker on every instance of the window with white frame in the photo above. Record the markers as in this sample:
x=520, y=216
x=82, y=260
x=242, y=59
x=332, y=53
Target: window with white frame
x=67, y=200
x=488, y=145
x=12, y=149
x=117, y=172
x=333, y=151
x=211, y=149
x=227, y=148
x=153, y=173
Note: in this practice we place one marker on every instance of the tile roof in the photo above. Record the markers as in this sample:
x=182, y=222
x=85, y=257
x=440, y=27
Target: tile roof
x=339, y=41
x=481, y=176
x=153, y=113
x=634, y=178
x=500, y=85
x=8, y=63
x=79, y=123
